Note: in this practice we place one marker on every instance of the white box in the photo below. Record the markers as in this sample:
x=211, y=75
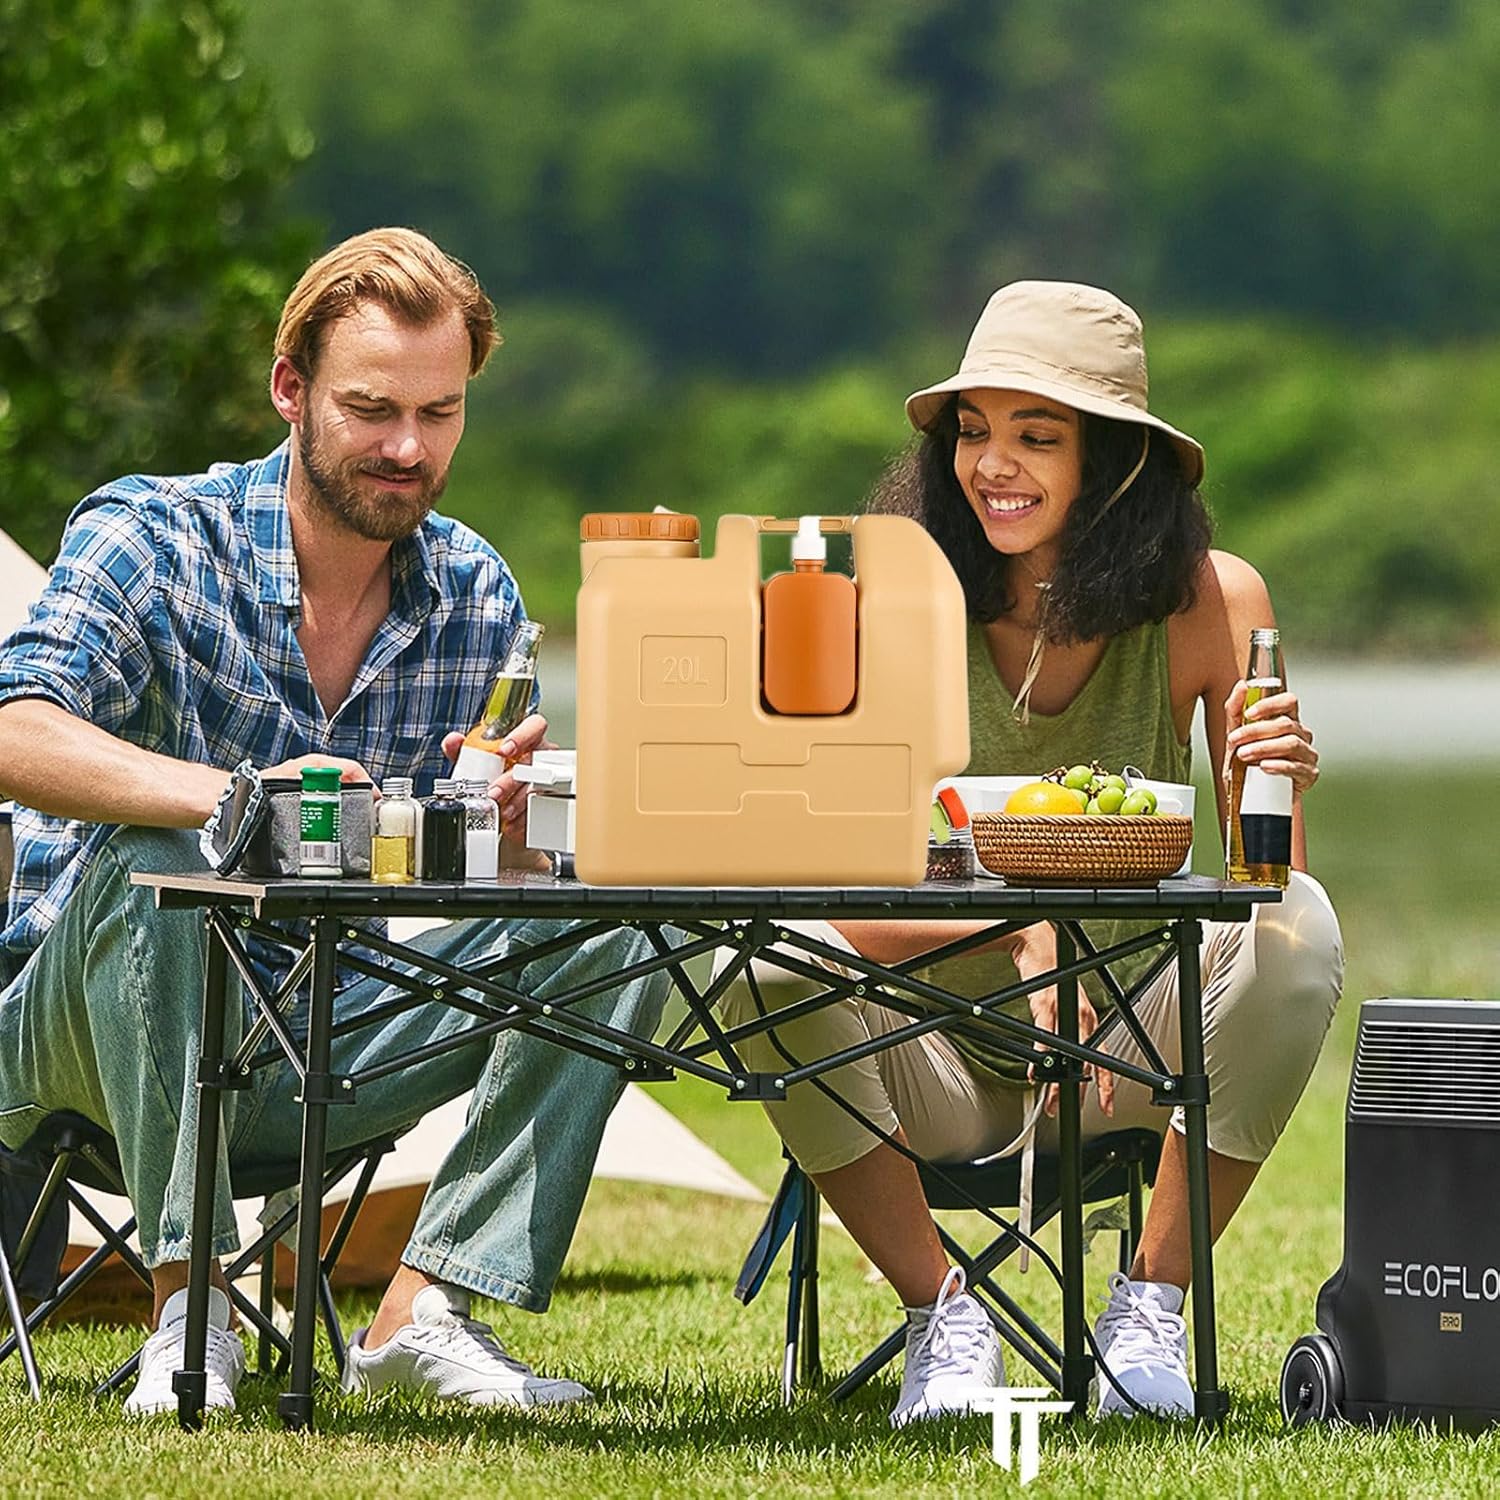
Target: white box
x=551, y=807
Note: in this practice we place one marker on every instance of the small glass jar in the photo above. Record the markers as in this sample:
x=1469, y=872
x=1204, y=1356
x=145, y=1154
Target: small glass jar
x=393, y=858
x=952, y=860
x=443, y=834
x=481, y=830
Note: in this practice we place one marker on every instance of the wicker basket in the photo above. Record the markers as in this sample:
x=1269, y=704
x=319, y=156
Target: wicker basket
x=1068, y=850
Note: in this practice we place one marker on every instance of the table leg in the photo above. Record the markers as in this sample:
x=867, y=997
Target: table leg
x=296, y=1405
x=1210, y=1403
x=807, y=1249
x=191, y=1381
x=1077, y=1364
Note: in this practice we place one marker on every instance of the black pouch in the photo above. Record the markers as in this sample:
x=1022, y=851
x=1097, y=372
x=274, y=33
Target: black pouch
x=257, y=827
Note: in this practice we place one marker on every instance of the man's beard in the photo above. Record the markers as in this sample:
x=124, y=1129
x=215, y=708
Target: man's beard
x=336, y=492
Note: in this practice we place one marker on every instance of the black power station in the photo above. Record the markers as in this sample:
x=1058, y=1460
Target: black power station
x=1411, y=1320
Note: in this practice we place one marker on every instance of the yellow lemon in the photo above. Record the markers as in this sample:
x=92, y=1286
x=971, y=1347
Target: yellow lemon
x=1043, y=797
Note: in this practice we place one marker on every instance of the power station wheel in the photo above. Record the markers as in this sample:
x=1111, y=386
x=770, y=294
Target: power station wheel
x=1312, y=1381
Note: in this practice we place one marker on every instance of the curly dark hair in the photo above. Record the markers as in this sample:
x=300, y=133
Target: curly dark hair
x=1138, y=565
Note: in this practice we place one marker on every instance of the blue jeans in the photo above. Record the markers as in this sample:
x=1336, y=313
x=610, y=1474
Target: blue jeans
x=104, y=1020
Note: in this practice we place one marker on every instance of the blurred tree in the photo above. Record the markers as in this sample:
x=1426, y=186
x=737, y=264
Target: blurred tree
x=740, y=185
x=1314, y=160
x=725, y=239
x=1022, y=139
x=1236, y=128
x=1429, y=192
x=141, y=282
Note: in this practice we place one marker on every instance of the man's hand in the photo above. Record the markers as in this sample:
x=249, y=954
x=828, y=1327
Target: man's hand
x=529, y=735
x=291, y=770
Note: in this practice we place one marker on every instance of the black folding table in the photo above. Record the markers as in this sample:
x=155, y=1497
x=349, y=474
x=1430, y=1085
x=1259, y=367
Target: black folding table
x=680, y=924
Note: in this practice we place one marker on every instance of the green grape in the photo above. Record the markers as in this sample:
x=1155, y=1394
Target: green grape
x=1093, y=809
x=1112, y=780
x=1140, y=801
x=1078, y=778
x=1110, y=797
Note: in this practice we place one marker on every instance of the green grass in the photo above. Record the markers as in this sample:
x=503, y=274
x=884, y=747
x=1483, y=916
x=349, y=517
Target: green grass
x=687, y=1378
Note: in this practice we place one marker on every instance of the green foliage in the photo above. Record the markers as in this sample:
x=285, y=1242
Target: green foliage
x=725, y=241
x=141, y=279
x=717, y=174
x=1306, y=160
x=767, y=184
x=1355, y=477
x=530, y=468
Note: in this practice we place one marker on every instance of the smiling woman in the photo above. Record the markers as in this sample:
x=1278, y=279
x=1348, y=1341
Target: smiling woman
x=1020, y=467
x=1099, y=621
x=1015, y=492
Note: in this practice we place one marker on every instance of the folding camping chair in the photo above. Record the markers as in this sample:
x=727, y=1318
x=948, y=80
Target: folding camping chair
x=68, y=1153
x=1120, y=1164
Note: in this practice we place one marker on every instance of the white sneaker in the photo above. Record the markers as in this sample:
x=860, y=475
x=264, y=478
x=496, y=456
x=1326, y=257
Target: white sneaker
x=951, y=1350
x=445, y=1353
x=1143, y=1338
x=162, y=1356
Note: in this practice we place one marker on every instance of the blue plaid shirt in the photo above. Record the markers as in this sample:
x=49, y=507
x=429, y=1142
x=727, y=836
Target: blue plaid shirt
x=170, y=620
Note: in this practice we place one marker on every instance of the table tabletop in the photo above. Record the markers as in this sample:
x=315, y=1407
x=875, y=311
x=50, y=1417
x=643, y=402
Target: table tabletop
x=527, y=893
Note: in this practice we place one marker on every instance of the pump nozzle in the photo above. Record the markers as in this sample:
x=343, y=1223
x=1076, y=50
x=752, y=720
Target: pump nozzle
x=808, y=545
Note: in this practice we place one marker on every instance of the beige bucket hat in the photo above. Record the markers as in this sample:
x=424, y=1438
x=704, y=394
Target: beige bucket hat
x=1075, y=344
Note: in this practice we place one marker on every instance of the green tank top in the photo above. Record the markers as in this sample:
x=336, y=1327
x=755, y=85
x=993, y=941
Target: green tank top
x=1121, y=716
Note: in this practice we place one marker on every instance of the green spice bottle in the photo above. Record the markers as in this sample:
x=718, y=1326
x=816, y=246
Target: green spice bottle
x=321, y=853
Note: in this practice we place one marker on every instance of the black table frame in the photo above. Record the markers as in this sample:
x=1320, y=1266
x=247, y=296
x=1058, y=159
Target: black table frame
x=681, y=923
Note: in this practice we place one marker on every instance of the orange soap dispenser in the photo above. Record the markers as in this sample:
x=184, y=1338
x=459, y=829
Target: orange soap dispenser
x=809, y=662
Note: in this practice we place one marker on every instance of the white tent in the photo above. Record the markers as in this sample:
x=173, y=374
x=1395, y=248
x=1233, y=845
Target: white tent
x=22, y=579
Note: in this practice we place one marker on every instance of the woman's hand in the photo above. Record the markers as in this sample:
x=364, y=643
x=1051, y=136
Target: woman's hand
x=1035, y=953
x=1271, y=735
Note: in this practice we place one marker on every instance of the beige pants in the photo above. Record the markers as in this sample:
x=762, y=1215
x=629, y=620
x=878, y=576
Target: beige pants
x=1269, y=990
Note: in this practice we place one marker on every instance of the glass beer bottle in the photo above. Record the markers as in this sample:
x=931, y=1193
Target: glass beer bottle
x=1259, y=841
x=509, y=703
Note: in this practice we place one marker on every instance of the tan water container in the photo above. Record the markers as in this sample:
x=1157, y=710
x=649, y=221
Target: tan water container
x=686, y=777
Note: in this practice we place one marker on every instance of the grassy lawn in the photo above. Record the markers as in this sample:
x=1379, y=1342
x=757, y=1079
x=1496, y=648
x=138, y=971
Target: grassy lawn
x=687, y=1378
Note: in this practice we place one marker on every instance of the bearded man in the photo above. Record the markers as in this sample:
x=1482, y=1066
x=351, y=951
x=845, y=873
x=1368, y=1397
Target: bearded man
x=310, y=608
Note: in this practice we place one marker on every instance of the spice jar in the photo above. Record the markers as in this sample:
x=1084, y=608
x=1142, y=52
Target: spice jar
x=393, y=859
x=321, y=852
x=950, y=839
x=443, y=834
x=481, y=830
x=953, y=860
